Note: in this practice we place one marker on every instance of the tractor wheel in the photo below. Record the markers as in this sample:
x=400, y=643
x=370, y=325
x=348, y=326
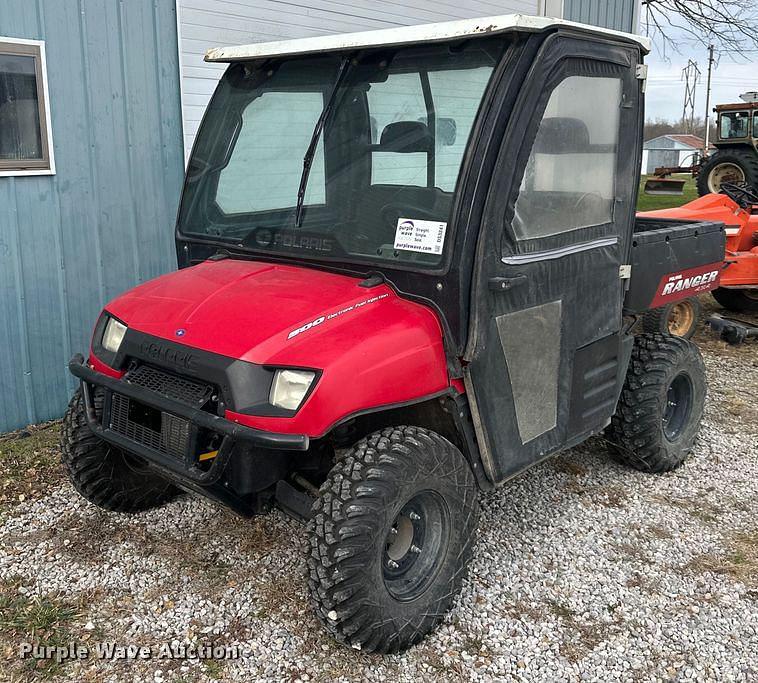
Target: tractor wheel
x=105, y=475
x=733, y=166
x=390, y=538
x=661, y=404
x=737, y=299
x=678, y=319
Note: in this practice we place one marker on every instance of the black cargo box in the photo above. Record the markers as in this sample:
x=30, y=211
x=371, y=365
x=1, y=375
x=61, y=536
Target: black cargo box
x=672, y=260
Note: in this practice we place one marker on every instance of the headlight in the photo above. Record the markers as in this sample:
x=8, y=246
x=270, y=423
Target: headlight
x=113, y=335
x=289, y=388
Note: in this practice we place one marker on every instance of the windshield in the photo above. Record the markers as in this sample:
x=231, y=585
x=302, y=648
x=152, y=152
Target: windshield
x=383, y=170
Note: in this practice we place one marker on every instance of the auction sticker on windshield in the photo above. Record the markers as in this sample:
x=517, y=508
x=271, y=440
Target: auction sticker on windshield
x=427, y=237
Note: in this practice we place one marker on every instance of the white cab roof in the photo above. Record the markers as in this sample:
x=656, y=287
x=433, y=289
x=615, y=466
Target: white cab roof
x=425, y=33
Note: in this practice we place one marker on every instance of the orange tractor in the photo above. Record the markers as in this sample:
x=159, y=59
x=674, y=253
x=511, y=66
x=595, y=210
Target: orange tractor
x=737, y=208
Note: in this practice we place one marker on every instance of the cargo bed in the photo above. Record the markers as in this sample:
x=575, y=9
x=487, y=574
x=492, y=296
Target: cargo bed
x=672, y=260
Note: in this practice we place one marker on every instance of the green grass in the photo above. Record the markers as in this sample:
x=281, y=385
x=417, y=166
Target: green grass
x=40, y=619
x=647, y=202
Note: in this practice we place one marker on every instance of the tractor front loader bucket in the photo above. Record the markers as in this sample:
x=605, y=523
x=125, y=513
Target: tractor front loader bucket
x=664, y=186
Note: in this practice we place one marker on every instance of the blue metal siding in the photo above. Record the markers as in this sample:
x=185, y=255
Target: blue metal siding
x=104, y=222
x=615, y=14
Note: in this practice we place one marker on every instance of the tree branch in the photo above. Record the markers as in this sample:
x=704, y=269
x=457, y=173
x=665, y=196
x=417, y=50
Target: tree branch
x=730, y=25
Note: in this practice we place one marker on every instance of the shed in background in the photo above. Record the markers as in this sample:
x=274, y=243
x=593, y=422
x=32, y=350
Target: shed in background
x=670, y=150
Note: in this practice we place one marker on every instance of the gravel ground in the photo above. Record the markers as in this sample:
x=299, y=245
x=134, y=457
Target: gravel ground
x=584, y=570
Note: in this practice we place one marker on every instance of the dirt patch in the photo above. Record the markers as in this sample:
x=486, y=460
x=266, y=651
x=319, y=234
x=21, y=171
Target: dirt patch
x=564, y=465
x=697, y=506
x=29, y=463
x=737, y=559
x=580, y=637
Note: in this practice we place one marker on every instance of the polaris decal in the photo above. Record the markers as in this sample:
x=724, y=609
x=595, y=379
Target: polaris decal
x=678, y=286
x=292, y=240
x=336, y=314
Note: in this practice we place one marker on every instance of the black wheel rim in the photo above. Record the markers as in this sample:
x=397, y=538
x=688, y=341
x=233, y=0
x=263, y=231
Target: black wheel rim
x=678, y=406
x=415, y=546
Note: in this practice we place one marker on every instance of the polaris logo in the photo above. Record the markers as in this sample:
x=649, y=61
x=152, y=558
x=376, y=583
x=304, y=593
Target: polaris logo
x=677, y=283
x=168, y=355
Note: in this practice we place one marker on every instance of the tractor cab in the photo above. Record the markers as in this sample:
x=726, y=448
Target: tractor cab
x=736, y=123
x=735, y=159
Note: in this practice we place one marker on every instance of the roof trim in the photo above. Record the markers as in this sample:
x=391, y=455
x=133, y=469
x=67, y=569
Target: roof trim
x=407, y=35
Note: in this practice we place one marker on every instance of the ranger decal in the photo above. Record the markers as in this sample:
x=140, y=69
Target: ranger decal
x=678, y=286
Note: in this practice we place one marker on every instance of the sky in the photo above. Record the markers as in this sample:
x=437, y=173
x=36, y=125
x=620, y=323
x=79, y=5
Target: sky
x=665, y=88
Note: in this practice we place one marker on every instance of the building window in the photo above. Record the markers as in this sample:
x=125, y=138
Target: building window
x=25, y=135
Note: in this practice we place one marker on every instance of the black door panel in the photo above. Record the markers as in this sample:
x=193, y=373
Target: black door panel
x=545, y=346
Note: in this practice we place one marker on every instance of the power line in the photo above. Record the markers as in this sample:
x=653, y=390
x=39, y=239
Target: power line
x=708, y=101
x=691, y=76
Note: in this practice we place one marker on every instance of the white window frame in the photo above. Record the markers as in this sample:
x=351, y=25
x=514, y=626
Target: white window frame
x=48, y=128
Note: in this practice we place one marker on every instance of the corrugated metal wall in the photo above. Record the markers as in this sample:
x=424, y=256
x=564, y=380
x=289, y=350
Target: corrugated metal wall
x=210, y=23
x=616, y=14
x=104, y=222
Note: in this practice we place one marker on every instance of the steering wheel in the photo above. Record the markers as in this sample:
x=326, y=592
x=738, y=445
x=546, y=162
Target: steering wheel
x=586, y=197
x=742, y=195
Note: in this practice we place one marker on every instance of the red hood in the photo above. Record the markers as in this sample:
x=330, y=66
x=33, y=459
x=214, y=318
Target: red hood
x=254, y=311
x=374, y=347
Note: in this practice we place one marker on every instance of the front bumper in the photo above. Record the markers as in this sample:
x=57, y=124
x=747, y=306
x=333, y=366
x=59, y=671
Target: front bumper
x=188, y=467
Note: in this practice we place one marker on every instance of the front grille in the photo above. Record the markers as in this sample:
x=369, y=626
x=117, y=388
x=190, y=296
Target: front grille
x=172, y=386
x=149, y=427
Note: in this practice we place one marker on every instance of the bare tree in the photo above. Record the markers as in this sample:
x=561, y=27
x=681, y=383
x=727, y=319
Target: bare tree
x=660, y=126
x=731, y=25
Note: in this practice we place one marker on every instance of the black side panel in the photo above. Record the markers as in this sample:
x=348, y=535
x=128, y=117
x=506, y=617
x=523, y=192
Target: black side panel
x=668, y=247
x=597, y=378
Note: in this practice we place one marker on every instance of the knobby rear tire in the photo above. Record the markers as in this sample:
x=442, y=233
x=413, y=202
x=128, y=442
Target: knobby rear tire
x=637, y=430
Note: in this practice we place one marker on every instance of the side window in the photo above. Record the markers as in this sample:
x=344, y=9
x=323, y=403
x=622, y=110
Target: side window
x=570, y=178
x=25, y=146
x=264, y=170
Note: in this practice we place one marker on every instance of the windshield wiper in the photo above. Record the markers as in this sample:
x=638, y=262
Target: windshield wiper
x=311, y=151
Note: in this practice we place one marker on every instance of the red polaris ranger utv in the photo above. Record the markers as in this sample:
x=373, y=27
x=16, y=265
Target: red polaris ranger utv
x=408, y=269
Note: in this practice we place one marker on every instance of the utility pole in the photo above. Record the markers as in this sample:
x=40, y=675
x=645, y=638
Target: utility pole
x=690, y=76
x=708, y=102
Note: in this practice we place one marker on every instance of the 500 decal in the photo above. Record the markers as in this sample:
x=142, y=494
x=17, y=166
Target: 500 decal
x=336, y=314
